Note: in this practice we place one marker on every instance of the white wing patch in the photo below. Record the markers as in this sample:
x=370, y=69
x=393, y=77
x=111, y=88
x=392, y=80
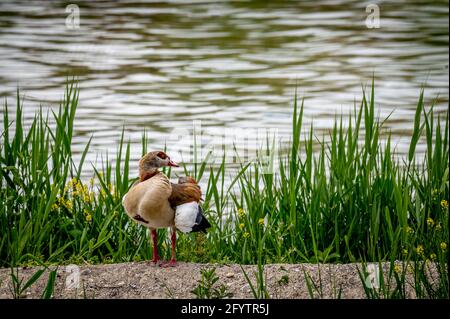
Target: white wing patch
x=185, y=216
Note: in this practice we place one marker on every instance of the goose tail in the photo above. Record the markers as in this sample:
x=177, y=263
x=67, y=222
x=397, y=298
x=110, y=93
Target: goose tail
x=189, y=218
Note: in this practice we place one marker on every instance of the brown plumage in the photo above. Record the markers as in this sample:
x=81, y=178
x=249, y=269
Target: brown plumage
x=187, y=190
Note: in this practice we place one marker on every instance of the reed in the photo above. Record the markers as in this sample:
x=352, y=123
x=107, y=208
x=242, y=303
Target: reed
x=353, y=200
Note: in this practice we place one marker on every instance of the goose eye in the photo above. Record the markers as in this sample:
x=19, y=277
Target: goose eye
x=161, y=155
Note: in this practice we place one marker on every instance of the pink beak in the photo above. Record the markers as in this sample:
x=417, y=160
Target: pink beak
x=172, y=163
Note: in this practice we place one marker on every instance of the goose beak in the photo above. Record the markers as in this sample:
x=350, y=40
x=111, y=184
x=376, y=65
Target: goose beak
x=172, y=163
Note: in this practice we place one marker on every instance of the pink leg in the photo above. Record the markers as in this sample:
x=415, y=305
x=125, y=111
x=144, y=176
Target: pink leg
x=173, y=261
x=155, y=246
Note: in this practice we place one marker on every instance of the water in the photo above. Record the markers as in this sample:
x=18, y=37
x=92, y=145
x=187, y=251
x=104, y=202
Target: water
x=230, y=65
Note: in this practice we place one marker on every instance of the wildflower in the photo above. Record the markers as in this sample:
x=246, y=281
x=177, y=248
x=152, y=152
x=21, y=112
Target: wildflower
x=88, y=218
x=261, y=221
x=68, y=204
x=433, y=257
x=443, y=246
x=55, y=206
x=405, y=251
x=241, y=225
x=103, y=193
x=438, y=226
x=397, y=269
x=241, y=212
x=419, y=250
x=444, y=204
x=409, y=230
x=87, y=198
x=430, y=221
x=246, y=234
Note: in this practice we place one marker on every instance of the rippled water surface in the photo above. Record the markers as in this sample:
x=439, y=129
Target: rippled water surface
x=229, y=64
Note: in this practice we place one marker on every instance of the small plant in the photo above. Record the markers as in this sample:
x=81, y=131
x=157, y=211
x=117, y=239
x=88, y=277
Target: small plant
x=50, y=287
x=18, y=287
x=205, y=288
x=314, y=290
x=284, y=280
x=85, y=294
x=260, y=291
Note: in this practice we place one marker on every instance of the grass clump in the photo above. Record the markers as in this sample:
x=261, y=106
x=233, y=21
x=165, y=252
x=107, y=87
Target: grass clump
x=207, y=288
x=353, y=200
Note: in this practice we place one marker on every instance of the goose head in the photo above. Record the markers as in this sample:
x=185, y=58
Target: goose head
x=151, y=162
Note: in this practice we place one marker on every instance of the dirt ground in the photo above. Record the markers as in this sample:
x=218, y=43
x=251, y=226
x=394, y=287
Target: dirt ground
x=145, y=280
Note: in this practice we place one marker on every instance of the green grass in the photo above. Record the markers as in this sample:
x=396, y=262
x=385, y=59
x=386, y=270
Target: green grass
x=352, y=200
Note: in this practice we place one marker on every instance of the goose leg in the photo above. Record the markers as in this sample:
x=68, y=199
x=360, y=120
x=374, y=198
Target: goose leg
x=173, y=261
x=155, y=246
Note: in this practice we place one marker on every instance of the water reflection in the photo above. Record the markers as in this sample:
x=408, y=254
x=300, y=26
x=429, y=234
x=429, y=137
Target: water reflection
x=231, y=64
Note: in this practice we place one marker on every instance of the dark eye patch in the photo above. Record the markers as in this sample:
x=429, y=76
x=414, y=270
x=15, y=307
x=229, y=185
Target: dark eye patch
x=162, y=155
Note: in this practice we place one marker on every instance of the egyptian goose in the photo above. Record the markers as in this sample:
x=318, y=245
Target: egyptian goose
x=154, y=202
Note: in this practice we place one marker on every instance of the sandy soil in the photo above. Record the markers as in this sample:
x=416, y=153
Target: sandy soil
x=145, y=280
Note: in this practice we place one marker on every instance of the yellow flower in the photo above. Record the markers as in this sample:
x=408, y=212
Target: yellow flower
x=444, y=204
x=88, y=218
x=246, y=234
x=87, y=198
x=433, y=256
x=419, y=250
x=55, y=206
x=438, y=226
x=443, y=246
x=397, y=269
x=405, y=251
x=261, y=221
x=241, y=225
x=430, y=221
x=409, y=230
x=241, y=212
x=68, y=204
